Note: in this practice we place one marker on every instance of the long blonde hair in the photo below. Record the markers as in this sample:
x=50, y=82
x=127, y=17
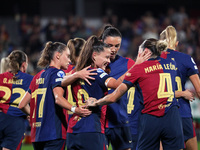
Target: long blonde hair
x=170, y=36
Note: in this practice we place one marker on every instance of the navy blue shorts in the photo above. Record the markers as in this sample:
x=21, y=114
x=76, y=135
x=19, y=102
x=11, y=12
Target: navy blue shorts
x=188, y=128
x=119, y=137
x=58, y=144
x=86, y=141
x=167, y=129
x=12, y=130
x=134, y=141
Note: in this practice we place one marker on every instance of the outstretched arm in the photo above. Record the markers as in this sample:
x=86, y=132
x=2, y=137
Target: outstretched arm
x=110, y=98
x=186, y=94
x=113, y=83
x=84, y=74
x=61, y=101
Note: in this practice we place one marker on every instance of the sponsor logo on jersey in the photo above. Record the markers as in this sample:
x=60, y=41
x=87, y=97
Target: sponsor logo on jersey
x=58, y=79
x=103, y=74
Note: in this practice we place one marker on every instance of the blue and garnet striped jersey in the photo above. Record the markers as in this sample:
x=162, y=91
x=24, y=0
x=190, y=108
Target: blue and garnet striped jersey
x=47, y=118
x=186, y=67
x=116, y=115
x=12, y=91
x=156, y=81
x=81, y=91
x=134, y=108
x=68, y=93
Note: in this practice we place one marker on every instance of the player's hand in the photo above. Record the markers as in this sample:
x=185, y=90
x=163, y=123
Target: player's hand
x=144, y=56
x=91, y=102
x=82, y=111
x=86, y=74
x=188, y=95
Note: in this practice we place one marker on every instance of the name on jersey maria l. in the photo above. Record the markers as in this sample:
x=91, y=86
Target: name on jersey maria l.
x=169, y=66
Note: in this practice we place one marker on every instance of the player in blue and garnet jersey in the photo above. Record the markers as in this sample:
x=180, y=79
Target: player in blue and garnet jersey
x=74, y=45
x=88, y=132
x=160, y=118
x=187, y=69
x=117, y=123
x=13, y=85
x=47, y=104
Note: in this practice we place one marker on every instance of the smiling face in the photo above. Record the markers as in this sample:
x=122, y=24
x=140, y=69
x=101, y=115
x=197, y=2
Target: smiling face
x=114, y=44
x=65, y=58
x=102, y=59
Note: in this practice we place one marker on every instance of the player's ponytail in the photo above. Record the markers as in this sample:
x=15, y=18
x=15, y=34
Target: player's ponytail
x=75, y=46
x=48, y=53
x=156, y=46
x=170, y=36
x=16, y=58
x=161, y=45
x=109, y=30
x=93, y=44
x=4, y=64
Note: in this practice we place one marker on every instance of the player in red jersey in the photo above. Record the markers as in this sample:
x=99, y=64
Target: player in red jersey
x=187, y=69
x=13, y=85
x=45, y=94
x=160, y=119
x=88, y=132
x=74, y=45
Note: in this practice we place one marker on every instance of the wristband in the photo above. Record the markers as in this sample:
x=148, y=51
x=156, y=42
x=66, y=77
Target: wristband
x=73, y=108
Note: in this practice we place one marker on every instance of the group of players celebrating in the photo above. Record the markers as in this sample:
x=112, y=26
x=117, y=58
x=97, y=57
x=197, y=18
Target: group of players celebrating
x=88, y=97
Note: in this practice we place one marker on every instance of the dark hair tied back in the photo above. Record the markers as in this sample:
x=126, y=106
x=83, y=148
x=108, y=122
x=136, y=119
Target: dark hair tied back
x=109, y=30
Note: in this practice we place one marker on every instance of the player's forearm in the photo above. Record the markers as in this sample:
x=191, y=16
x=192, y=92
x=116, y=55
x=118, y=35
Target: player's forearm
x=69, y=79
x=62, y=102
x=25, y=109
x=178, y=94
x=23, y=105
x=105, y=100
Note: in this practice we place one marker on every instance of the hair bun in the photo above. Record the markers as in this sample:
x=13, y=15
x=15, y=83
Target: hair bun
x=161, y=45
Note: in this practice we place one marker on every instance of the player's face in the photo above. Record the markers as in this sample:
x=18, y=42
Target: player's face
x=114, y=43
x=64, y=59
x=102, y=59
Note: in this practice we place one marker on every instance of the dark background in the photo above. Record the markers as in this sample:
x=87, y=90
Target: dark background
x=96, y=8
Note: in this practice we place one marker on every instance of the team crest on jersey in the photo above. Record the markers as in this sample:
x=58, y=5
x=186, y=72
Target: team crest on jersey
x=61, y=74
x=99, y=70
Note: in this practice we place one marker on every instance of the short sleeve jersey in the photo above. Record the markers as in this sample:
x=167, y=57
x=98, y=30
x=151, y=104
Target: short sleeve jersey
x=47, y=118
x=81, y=91
x=156, y=79
x=186, y=67
x=12, y=91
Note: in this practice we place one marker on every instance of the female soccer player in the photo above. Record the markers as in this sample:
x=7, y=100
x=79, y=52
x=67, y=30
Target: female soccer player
x=160, y=119
x=88, y=132
x=74, y=45
x=187, y=69
x=48, y=123
x=13, y=85
x=117, y=122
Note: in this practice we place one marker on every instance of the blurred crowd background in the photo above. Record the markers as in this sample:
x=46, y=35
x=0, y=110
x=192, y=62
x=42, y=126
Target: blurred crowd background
x=28, y=25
